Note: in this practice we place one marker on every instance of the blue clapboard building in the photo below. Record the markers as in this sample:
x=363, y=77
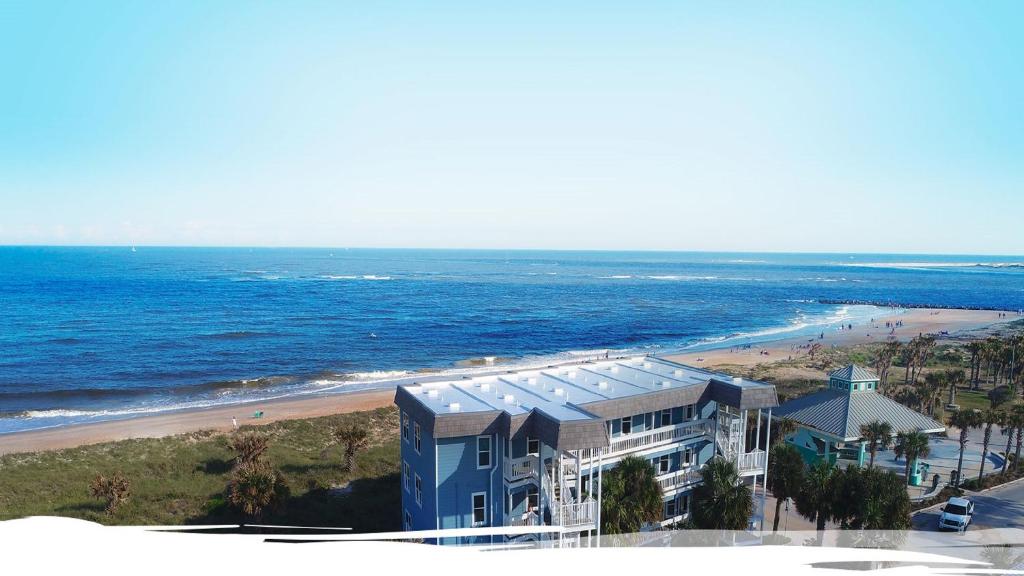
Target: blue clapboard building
x=529, y=447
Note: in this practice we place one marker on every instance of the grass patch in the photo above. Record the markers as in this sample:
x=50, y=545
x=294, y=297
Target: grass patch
x=181, y=479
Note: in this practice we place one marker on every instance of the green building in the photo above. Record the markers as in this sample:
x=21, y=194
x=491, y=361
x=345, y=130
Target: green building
x=829, y=421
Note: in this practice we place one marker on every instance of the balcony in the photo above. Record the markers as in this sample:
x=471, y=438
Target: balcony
x=751, y=462
x=658, y=437
x=578, y=514
x=679, y=479
x=524, y=468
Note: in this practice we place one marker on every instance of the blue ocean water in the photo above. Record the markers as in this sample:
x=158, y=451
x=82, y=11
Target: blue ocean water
x=93, y=333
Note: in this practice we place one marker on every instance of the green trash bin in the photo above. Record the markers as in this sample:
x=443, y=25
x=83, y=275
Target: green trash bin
x=915, y=475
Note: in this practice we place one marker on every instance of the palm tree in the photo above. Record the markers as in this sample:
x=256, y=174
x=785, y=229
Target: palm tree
x=989, y=418
x=784, y=427
x=248, y=448
x=931, y=390
x=630, y=496
x=115, y=490
x=1007, y=427
x=876, y=434
x=954, y=377
x=354, y=439
x=964, y=420
x=1018, y=423
x=785, y=476
x=912, y=445
x=721, y=502
x=816, y=499
x=975, y=348
x=255, y=487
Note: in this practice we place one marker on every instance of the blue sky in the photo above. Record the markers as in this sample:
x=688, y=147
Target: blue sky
x=820, y=126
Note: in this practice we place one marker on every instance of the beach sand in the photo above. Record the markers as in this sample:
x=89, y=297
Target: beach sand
x=957, y=323
x=915, y=321
x=178, y=422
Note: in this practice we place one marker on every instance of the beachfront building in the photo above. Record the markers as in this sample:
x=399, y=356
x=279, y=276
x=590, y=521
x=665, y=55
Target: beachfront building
x=530, y=447
x=829, y=421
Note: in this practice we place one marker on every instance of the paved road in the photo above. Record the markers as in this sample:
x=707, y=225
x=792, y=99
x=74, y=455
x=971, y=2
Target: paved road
x=1001, y=507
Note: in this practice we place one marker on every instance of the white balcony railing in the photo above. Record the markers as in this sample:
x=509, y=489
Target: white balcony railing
x=679, y=479
x=521, y=468
x=578, y=514
x=658, y=436
x=751, y=462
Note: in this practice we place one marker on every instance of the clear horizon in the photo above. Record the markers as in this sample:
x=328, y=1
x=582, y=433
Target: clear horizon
x=681, y=127
x=508, y=249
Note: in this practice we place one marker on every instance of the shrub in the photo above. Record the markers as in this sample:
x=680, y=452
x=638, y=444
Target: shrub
x=115, y=490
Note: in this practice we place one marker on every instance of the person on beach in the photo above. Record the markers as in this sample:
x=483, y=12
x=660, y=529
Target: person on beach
x=234, y=422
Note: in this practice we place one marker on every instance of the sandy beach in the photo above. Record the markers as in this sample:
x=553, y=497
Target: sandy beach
x=935, y=321
x=944, y=323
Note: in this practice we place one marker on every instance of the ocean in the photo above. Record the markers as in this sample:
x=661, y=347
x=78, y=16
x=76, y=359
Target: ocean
x=89, y=334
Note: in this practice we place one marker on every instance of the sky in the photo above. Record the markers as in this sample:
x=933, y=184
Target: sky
x=796, y=126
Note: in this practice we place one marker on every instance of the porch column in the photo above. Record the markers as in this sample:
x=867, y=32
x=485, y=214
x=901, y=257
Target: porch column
x=767, y=454
x=600, y=489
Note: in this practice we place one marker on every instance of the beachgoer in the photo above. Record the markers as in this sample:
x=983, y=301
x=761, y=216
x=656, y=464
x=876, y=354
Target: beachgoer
x=234, y=422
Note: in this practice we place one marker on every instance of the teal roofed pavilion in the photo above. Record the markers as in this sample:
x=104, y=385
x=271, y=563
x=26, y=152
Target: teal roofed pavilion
x=831, y=419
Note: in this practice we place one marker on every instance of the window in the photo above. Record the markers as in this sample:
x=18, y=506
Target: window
x=688, y=456
x=856, y=387
x=532, y=499
x=662, y=463
x=479, y=508
x=406, y=476
x=691, y=414
x=532, y=446
x=418, y=438
x=419, y=490
x=666, y=418
x=627, y=425
x=405, y=427
x=684, y=504
x=408, y=520
x=483, y=451
x=670, y=509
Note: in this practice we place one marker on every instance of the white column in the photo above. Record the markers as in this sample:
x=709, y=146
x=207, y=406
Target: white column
x=600, y=461
x=757, y=433
x=767, y=446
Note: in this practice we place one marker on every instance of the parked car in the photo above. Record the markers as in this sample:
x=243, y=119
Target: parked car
x=956, y=514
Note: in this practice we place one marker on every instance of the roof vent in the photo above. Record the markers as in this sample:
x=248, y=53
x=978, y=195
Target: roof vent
x=615, y=369
x=603, y=384
x=532, y=381
x=737, y=380
x=559, y=391
x=665, y=383
x=678, y=372
x=454, y=406
x=647, y=365
x=432, y=393
x=572, y=374
x=485, y=387
x=509, y=399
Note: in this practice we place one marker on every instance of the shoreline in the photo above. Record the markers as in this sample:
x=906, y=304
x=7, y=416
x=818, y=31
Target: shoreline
x=952, y=322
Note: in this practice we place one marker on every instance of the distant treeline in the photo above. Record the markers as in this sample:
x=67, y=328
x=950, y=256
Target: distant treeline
x=902, y=305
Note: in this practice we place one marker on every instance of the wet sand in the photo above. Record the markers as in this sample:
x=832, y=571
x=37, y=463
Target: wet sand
x=915, y=321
